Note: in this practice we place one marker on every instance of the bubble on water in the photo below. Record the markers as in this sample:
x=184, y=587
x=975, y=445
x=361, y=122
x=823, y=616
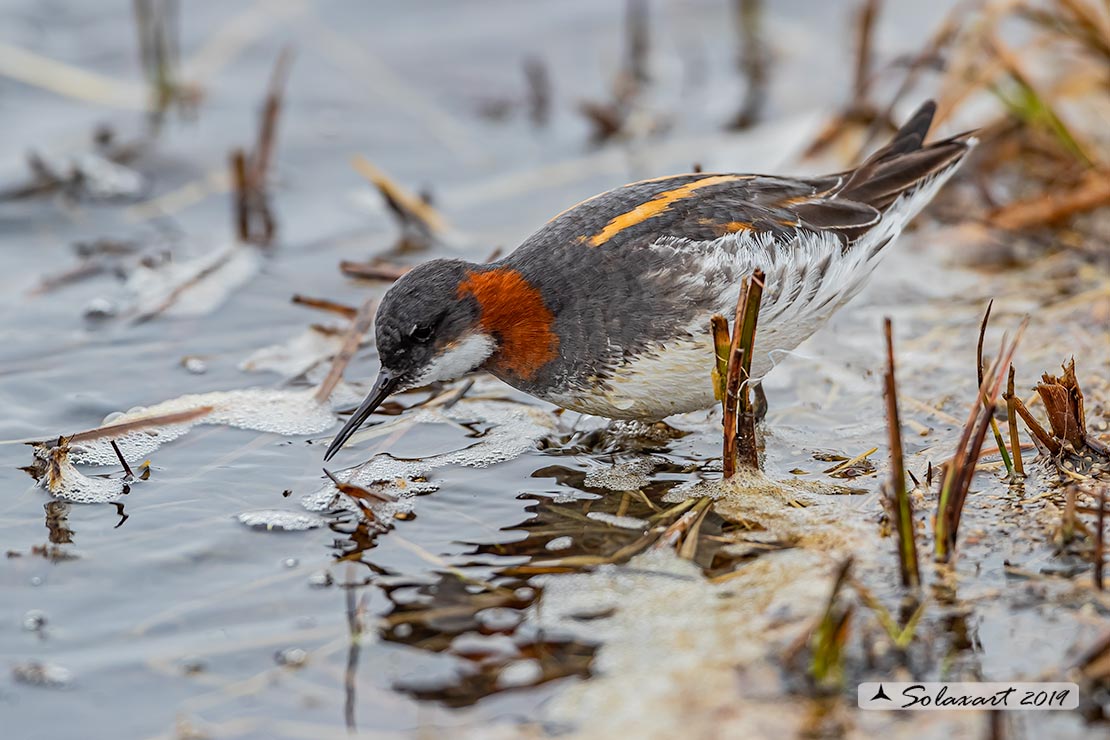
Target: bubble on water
x=35, y=580
x=625, y=522
x=475, y=645
x=103, y=178
x=288, y=521
x=498, y=618
x=520, y=673
x=626, y=476
x=570, y=495
x=560, y=543
x=194, y=365
x=291, y=657
x=100, y=308
x=290, y=562
x=47, y=675
x=320, y=579
x=34, y=620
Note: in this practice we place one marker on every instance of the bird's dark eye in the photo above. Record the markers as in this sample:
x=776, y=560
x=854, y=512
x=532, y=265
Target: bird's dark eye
x=421, y=333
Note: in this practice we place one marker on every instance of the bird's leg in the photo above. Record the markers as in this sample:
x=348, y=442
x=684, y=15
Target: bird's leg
x=759, y=401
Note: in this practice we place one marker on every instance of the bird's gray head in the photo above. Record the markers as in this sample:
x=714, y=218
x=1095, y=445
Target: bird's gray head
x=426, y=331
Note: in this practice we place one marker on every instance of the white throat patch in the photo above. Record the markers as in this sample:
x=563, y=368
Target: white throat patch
x=459, y=358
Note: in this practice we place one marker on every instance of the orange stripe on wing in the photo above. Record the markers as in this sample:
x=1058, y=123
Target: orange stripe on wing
x=656, y=206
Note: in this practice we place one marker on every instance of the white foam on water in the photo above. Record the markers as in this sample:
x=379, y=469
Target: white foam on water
x=624, y=522
x=280, y=411
x=288, y=521
x=70, y=484
x=514, y=429
x=626, y=476
x=201, y=284
x=296, y=356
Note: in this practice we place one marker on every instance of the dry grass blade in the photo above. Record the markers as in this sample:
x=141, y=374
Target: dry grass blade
x=828, y=638
x=960, y=470
x=421, y=225
x=900, y=504
x=159, y=53
x=119, y=430
x=1054, y=206
x=373, y=270
x=359, y=326
x=324, y=304
x=1031, y=105
x=358, y=493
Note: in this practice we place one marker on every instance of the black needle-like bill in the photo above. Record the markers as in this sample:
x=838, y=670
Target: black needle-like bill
x=383, y=386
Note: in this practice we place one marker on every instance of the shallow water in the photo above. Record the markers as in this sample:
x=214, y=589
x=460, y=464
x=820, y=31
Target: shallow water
x=164, y=614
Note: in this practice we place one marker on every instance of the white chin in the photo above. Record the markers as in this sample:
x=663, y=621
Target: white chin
x=458, y=358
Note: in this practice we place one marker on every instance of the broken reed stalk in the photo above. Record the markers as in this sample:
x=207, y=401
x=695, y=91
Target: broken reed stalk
x=739, y=420
x=159, y=53
x=1099, y=537
x=901, y=506
x=254, y=220
x=979, y=374
x=754, y=62
x=360, y=324
x=1012, y=416
x=960, y=470
x=864, y=47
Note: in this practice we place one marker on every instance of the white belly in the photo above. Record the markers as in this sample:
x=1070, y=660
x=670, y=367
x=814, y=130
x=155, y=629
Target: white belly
x=672, y=380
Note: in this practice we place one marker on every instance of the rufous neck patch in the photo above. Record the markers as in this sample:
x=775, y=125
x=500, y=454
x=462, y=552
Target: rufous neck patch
x=513, y=310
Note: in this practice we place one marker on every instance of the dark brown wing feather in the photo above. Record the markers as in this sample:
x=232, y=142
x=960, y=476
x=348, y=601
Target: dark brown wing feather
x=705, y=206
